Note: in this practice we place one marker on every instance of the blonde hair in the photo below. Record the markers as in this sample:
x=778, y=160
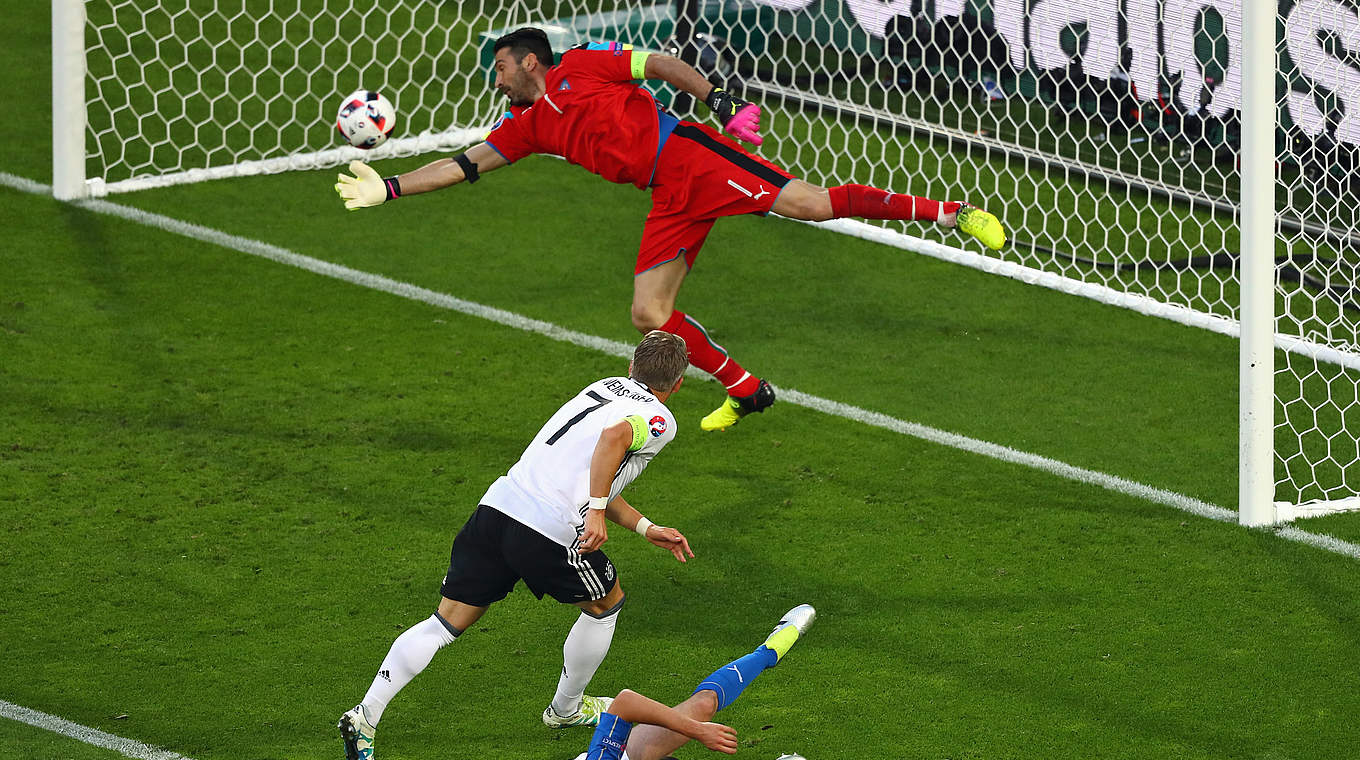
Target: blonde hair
x=660, y=360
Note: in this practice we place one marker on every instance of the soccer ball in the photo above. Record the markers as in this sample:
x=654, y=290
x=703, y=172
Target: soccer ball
x=790, y=757
x=366, y=119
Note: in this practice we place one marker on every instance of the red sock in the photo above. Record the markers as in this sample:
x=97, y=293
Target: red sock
x=872, y=203
x=711, y=357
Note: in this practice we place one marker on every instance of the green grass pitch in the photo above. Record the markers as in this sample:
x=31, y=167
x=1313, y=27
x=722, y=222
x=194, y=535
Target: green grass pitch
x=227, y=485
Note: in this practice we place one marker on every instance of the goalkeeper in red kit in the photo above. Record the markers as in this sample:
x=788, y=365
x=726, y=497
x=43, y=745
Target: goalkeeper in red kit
x=589, y=109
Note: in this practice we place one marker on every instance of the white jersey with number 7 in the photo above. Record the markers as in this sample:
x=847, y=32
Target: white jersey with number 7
x=548, y=487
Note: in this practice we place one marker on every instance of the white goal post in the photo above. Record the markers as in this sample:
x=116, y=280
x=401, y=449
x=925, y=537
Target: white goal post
x=1256, y=424
x=1208, y=169
x=68, y=99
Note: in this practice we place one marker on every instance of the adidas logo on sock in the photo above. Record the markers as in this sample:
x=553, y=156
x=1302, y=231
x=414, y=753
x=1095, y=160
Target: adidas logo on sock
x=386, y=675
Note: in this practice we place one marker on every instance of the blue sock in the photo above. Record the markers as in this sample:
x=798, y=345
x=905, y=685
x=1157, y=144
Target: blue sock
x=610, y=737
x=729, y=680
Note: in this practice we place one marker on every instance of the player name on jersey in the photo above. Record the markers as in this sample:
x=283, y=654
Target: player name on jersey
x=624, y=391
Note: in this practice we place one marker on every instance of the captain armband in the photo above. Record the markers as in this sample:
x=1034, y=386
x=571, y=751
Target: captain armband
x=639, y=64
x=640, y=431
x=469, y=168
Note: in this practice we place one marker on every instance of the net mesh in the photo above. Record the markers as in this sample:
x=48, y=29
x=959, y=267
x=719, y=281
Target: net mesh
x=1106, y=134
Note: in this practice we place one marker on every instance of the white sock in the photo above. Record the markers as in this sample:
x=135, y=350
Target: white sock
x=409, y=655
x=584, y=650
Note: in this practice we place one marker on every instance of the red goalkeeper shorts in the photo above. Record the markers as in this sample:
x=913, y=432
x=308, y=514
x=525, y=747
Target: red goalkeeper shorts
x=701, y=176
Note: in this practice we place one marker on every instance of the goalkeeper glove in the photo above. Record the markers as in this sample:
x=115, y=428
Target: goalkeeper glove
x=740, y=118
x=365, y=188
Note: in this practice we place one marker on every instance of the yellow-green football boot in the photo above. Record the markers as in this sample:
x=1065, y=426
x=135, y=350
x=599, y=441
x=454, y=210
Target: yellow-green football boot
x=733, y=408
x=589, y=714
x=981, y=225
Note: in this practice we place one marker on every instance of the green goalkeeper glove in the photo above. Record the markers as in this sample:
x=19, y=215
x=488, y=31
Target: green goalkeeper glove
x=365, y=188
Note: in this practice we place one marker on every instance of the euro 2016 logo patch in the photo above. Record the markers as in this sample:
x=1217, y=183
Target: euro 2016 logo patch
x=657, y=426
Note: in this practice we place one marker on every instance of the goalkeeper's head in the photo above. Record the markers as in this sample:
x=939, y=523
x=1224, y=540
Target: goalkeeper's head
x=523, y=58
x=659, y=362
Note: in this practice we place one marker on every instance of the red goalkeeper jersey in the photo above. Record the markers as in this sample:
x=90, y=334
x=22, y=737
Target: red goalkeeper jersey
x=592, y=113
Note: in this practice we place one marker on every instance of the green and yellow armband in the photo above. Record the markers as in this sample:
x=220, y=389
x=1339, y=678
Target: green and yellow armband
x=640, y=431
x=640, y=64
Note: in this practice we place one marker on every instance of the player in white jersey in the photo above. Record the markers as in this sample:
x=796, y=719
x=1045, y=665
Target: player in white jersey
x=543, y=522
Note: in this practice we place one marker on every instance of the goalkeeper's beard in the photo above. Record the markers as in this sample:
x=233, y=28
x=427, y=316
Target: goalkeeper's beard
x=517, y=101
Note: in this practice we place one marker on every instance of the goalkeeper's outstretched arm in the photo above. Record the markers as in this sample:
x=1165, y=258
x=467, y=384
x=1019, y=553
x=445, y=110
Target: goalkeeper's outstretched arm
x=679, y=74
x=740, y=118
x=366, y=188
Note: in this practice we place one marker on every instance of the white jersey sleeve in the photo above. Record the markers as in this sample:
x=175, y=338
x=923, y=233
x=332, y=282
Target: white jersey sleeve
x=548, y=487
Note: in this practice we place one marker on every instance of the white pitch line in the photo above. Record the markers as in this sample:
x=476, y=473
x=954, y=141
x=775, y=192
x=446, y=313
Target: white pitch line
x=126, y=747
x=1014, y=456
x=616, y=348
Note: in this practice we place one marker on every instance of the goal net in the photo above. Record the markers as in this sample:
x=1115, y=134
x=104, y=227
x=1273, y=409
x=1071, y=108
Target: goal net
x=1109, y=132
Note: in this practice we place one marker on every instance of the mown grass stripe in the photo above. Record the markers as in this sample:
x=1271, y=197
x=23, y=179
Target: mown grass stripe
x=616, y=348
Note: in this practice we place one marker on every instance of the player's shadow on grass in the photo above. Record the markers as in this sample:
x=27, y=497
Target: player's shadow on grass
x=1332, y=596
